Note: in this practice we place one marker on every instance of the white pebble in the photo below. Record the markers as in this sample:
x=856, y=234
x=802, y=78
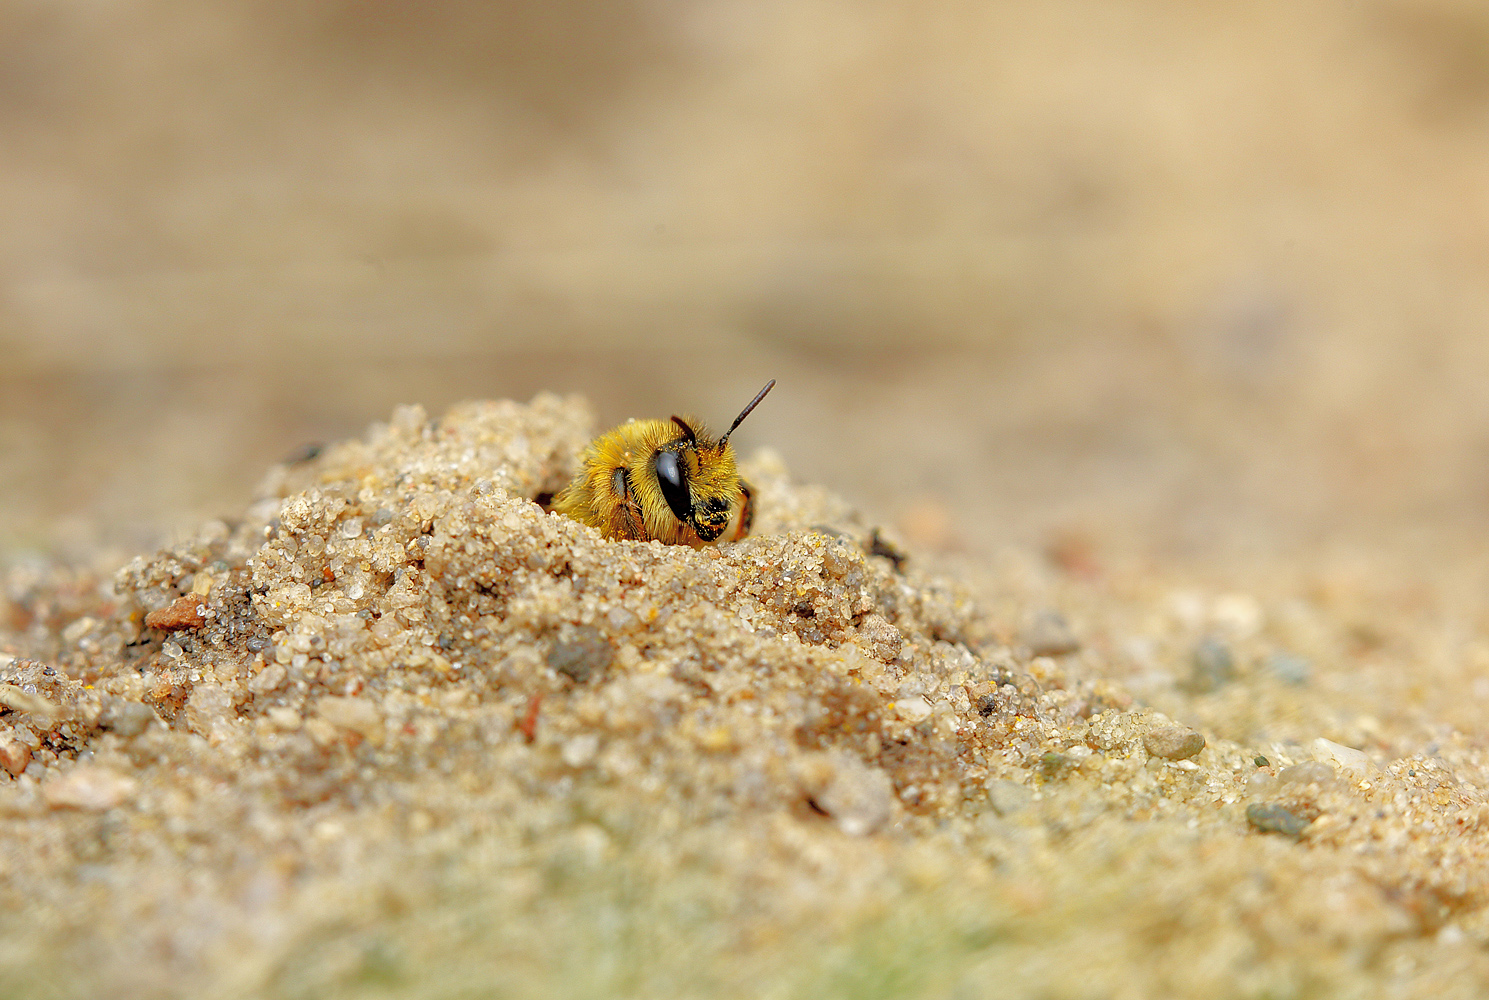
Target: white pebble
x=89, y=788
x=1355, y=763
x=859, y=798
x=1239, y=615
x=912, y=709
x=580, y=750
x=356, y=714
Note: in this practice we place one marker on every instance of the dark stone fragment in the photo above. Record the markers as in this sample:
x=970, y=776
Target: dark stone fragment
x=1268, y=817
x=879, y=547
x=585, y=653
x=1214, y=666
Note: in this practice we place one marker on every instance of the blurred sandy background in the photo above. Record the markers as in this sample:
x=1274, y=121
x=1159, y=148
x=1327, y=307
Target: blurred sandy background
x=1183, y=282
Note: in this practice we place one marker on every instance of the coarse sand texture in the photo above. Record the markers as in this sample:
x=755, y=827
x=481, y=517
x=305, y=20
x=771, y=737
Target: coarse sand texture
x=396, y=730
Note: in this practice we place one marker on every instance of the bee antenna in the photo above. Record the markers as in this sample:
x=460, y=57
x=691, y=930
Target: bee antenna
x=745, y=412
x=690, y=437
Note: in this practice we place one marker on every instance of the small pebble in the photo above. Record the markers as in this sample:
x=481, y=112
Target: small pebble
x=16, y=700
x=1355, y=763
x=323, y=732
x=1008, y=797
x=859, y=798
x=269, y=679
x=884, y=640
x=580, y=750
x=1451, y=934
x=14, y=756
x=1053, y=764
x=1288, y=668
x=1173, y=742
x=583, y=655
x=185, y=612
x=1238, y=614
x=127, y=718
x=912, y=708
x=208, y=706
x=74, y=633
x=1271, y=818
x=1306, y=773
x=1261, y=783
x=1049, y=634
x=356, y=714
x=1213, y=665
x=90, y=788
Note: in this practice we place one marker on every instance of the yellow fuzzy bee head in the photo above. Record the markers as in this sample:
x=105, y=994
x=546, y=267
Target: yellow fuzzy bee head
x=667, y=480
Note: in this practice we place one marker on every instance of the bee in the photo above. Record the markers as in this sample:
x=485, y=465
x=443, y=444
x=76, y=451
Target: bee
x=667, y=480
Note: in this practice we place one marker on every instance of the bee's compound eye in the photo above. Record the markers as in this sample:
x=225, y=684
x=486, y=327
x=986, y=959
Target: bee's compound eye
x=674, y=487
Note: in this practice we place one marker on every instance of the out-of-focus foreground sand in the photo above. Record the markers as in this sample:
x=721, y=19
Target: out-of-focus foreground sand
x=1168, y=318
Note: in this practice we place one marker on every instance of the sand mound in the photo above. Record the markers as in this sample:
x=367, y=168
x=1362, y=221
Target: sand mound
x=397, y=728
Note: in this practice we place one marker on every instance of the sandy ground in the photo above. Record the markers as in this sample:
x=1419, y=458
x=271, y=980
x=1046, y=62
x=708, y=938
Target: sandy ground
x=397, y=729
x=1152, y=338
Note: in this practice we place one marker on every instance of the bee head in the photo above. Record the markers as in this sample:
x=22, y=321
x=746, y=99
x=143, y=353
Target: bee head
x=698, y=477
x=698, y=480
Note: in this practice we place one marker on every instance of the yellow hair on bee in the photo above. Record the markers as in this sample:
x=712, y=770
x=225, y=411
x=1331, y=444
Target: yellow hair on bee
x=666, y=480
